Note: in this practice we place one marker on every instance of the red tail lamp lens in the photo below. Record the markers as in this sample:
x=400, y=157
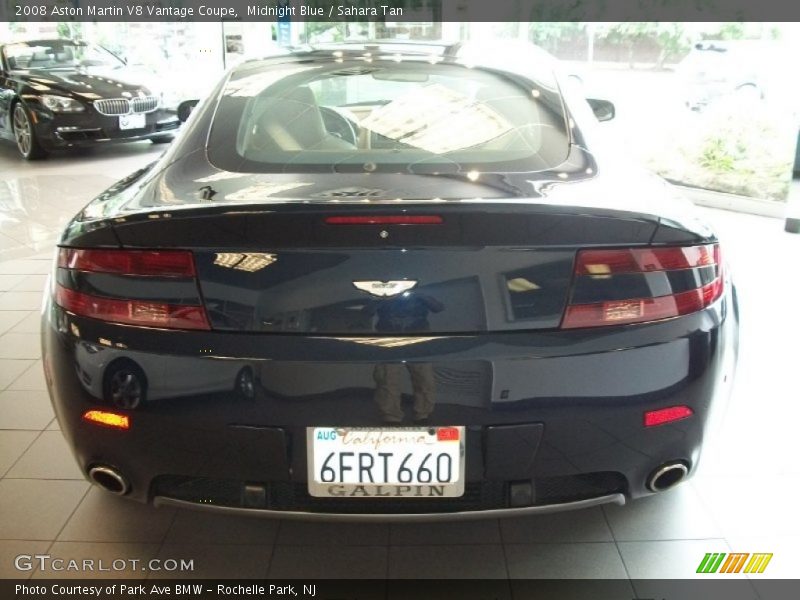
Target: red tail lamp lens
x=600, y=265
x=662, y=416
x=151, y=272
x=622, y=312
x=153, y=263
x=132, y=312
x=644, y=260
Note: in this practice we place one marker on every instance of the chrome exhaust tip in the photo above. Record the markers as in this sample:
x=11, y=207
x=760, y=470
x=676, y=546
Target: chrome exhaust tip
x=109, y=479
x=667, y=476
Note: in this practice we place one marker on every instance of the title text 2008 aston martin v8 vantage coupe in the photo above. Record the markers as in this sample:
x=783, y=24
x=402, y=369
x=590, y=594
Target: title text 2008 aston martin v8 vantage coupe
x=62, y=94
x=448, y=298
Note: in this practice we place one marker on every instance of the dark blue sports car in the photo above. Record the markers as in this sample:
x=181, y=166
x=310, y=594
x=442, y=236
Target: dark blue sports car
x=389, y=281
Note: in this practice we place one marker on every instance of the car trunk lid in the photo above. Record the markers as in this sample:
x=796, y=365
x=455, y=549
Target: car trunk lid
x=419, y=269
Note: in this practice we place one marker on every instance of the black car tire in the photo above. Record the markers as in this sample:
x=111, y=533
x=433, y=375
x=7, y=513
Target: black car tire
x=124, y=384
x=27, y=143
x=245, y=385
x=162, y=139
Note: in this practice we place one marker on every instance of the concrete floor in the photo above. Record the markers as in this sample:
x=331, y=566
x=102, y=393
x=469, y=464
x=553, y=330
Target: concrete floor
x=743, y=498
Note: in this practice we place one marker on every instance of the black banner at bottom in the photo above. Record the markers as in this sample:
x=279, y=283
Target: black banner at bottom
x=419, y=589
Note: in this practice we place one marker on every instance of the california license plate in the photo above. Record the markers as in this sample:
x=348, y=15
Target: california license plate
x=132, y=122
x=395, y=462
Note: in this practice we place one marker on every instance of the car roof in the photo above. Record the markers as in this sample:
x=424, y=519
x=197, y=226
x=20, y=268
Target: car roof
x=503, y=55
x=441, y=48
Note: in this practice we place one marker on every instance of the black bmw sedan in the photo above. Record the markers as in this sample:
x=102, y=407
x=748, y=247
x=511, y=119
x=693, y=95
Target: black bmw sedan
x=389, y=281
x=62, y=94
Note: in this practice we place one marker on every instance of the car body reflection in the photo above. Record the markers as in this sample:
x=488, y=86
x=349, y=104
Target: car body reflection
x=127, y=379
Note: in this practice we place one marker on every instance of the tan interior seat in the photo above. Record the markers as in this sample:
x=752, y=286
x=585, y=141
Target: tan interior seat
x=292, y=123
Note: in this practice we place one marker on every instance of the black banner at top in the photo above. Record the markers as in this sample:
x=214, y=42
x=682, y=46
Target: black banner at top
x=399, y=10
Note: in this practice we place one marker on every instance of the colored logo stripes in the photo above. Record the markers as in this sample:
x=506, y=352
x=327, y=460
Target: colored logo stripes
x=720, y=562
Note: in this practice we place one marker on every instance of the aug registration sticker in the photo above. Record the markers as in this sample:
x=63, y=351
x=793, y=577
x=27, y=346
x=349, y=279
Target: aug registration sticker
x=393, y=462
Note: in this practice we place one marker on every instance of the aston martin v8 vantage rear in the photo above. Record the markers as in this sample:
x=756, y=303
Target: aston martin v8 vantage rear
x=373, y=282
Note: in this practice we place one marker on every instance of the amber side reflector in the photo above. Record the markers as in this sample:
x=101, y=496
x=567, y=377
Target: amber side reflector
x=107, y=419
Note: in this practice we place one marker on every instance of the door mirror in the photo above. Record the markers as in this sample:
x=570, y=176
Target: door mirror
x=602, y=109
x=185, y=108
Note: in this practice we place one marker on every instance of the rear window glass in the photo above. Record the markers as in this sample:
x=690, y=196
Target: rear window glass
x=359, y=116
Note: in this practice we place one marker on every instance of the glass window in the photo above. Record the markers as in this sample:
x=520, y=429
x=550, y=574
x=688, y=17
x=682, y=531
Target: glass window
x=386, y=116
x=58, y=54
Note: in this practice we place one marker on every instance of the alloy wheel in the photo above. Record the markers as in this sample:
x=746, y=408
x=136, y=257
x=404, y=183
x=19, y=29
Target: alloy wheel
x=23, y=132
x=126, y=389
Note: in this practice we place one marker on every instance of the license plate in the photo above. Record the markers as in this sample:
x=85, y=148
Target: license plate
x=132, y=122
x=396, y=462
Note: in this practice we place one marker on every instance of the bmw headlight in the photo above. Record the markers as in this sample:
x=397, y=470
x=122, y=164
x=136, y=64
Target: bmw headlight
x=61, y=103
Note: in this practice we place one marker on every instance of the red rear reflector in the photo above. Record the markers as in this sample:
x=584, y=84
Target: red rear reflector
x=385, y=220
x=447, y=434
x=166, y=263
x=132, y=312
x=643, y=260
x=107, y=419
x=666, y=415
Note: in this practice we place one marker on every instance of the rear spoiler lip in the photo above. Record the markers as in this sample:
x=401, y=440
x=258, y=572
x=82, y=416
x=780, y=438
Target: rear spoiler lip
x=129, y=231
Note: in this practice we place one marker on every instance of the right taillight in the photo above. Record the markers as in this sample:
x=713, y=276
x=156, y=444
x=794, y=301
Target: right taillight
x=634, y=285
x=132, y=287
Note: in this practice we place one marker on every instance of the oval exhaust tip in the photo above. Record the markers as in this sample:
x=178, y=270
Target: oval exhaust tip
x=667, y=476
x=110, y=480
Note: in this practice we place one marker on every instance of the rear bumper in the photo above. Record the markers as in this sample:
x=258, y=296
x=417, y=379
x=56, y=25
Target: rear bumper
x=195, y=442
x=618, y=499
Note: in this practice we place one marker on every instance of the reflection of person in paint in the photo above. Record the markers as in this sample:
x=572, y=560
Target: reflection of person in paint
x=407, y=313
x=388, y=377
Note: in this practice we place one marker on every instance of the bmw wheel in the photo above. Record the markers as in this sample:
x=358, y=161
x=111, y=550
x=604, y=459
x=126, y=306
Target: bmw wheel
x=27, y=143
x=125, y=385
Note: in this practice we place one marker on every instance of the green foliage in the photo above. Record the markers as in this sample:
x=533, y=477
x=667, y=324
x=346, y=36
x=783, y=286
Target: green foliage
x=548, y=35
x=330, y=31
x=672, y=39
x=741, y=31
x=743, y=150
x=728, y=31
x=716, y=156
x=69, y=30
x=64, y=30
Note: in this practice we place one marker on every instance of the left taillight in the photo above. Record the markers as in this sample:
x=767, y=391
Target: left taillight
x=636, y=285
x=155, y=288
